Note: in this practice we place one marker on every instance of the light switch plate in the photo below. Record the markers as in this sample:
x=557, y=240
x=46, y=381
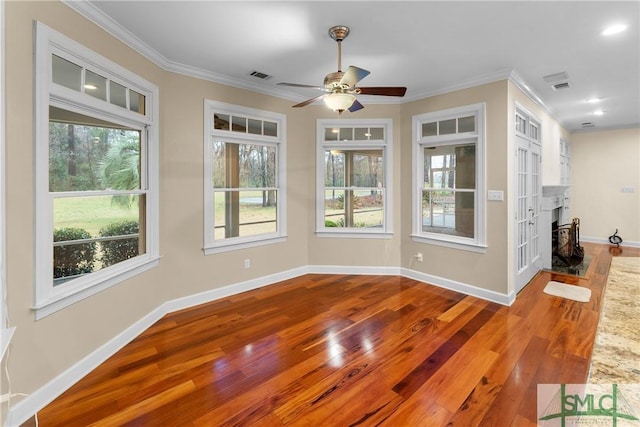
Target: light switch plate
x=496, y=195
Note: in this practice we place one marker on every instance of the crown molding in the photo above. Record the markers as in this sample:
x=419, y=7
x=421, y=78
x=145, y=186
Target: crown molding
x=95, y=15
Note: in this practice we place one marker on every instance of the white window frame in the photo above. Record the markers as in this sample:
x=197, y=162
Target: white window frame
x=6, y=332
x=386, y=145
x=478, y=242
x=211, y=245
x=49, y=299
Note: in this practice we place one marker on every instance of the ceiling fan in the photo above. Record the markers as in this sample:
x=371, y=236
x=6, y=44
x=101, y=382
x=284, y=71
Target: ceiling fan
x=341, y=86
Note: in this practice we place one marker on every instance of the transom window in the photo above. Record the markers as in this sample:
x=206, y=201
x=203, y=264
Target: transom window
x=448, y=157
x=244, y=177
x=96, y=173
x=354, y=177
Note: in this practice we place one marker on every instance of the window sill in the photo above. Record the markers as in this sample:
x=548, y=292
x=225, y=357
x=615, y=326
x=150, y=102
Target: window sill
x=465, y=246
x=64, y=299
x=354, y=234
x=237, y=245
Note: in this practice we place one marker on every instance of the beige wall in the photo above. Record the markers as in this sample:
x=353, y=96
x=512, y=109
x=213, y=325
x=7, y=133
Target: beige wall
x=602, y=163
x=484, y=270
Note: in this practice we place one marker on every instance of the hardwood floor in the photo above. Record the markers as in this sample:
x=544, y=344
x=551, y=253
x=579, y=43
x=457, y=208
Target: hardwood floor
x=342, y=350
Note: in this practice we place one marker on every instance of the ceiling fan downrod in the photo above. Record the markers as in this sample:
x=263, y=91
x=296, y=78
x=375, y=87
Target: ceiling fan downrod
x=339, y=33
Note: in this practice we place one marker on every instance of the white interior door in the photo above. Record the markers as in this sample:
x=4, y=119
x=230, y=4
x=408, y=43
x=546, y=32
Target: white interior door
x=528, y=202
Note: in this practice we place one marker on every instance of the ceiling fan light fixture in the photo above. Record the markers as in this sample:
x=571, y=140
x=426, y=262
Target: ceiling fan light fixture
x=339, y=101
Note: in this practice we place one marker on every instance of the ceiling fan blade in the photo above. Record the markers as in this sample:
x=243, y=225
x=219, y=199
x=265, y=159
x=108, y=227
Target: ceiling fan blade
x=356, y=106
x=301, y=85
x=308, y=101
x=353, y=75
x=383, y=90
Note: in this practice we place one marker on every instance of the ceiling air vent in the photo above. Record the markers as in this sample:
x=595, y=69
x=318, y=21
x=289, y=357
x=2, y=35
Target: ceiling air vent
x=588, y=125
x=259, y=75
x=558, y=81
x=558, y=86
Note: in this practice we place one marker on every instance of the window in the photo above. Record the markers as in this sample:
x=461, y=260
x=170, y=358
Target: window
x=353, y=177
x=96, y=173
x=448, y=153
x=244, y=177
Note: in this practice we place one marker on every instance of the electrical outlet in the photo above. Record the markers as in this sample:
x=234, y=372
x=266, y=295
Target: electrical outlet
x=418, y=256
x=628, y=189
x=247, y=263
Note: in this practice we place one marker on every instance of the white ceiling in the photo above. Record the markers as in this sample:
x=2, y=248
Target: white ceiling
x=429, y=47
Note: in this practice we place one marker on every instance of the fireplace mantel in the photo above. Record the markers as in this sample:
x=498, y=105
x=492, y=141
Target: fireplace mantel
x=554, y=190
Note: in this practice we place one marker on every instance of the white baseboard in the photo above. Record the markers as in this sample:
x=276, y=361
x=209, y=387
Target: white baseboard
x=605, y=241
x=441, y=282
x=30, y=405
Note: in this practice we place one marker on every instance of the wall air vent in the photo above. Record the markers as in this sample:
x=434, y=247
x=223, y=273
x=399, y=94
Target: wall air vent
x=559, y=86
x=588, y=125
x=259, y=75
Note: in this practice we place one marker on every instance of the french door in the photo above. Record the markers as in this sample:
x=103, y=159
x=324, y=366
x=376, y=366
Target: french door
x=528, y=200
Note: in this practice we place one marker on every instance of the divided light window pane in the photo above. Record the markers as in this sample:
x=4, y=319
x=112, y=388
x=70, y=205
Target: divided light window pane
x=221, y=121
x=447, y=127
x=270, y=129
x=118, y=94
x=429, y=129
x=467, y=124
x=136, y=102
x=95, y=85
x=238, y=124
x=66, y=73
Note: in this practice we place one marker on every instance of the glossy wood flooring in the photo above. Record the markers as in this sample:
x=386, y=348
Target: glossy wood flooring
x=346, y=350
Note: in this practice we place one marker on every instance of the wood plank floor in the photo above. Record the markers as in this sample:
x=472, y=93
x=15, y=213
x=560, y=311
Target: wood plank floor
x=346, y=350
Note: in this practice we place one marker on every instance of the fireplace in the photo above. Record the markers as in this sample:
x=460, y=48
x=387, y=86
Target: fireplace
x=555, y=210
